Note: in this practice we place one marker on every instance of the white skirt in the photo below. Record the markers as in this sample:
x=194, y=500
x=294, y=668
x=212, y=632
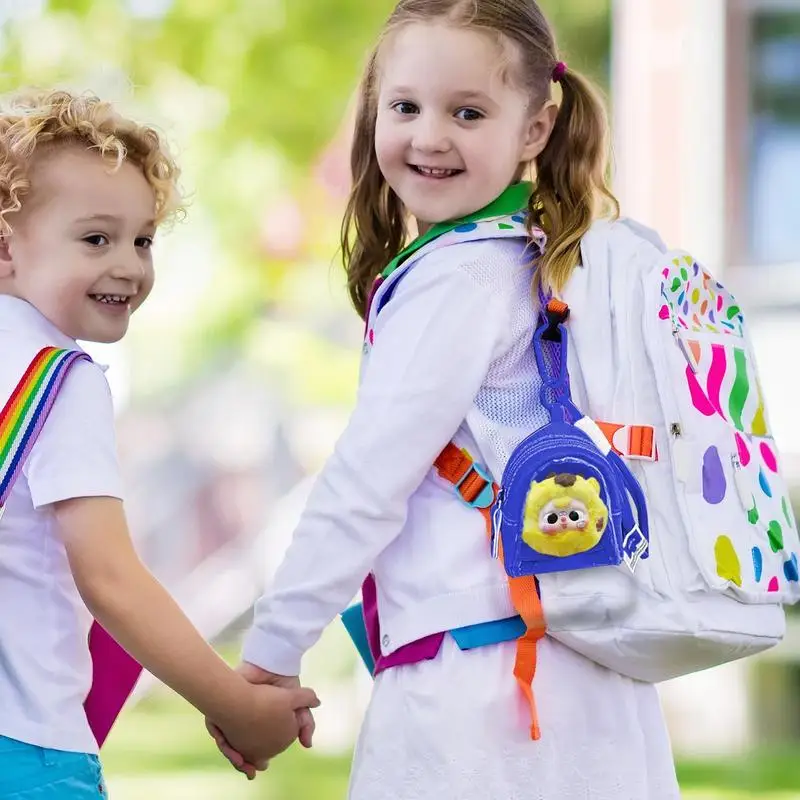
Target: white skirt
x=457, y=728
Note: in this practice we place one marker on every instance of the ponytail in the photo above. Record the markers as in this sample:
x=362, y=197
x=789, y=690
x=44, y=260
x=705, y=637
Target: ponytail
x=572, y=185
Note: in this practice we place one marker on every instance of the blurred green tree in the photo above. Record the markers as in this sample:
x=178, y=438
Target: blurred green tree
x=255, y=92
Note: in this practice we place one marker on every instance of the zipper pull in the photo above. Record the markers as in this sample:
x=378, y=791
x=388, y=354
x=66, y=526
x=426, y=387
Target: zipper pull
x=497, y=522
x=743, y=488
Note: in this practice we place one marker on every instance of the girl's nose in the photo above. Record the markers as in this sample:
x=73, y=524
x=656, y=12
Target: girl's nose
x=430, y=135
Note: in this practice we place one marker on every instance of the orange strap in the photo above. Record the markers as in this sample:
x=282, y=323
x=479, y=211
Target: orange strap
x=458, y=468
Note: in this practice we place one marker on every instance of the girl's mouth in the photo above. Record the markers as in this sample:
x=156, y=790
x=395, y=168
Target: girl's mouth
x=437, y=173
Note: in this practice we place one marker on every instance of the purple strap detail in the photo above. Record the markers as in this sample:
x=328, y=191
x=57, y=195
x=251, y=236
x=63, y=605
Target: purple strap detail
x=369, y=604
x=552, y=355
x=114, y=676
x=544, y=299
x=376, y=284
x=412, y=653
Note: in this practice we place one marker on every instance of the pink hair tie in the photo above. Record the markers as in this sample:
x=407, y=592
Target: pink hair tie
x=559, y=71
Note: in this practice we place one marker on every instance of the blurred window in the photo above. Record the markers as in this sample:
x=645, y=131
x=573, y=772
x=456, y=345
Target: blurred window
x=772, y=145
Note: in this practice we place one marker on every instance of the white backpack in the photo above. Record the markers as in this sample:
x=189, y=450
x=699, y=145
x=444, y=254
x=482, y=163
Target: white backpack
x=656, y=344
x=674, y=354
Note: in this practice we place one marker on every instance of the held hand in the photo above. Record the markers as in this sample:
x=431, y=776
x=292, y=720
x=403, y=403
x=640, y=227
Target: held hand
x=305, y=719
x=302, y=727
x=264, y=724
x=235, y=758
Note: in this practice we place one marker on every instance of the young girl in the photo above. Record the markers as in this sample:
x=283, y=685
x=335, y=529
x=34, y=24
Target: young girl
x=455, y=107
x=82, y=193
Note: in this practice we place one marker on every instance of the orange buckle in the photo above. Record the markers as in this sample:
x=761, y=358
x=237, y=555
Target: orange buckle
x=631, y=441
x=476, y=487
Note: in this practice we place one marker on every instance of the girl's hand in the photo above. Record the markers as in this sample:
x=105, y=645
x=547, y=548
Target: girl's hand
x=305, y=719
x=236, y=759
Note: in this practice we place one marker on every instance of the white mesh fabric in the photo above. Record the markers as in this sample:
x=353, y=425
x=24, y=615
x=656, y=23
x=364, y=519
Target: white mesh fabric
x=507, y=407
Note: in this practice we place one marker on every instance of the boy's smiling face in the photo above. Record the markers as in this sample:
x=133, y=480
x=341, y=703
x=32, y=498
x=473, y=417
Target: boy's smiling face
x=79, y=250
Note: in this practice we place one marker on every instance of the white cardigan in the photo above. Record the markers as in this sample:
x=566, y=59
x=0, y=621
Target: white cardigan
x=451, y=354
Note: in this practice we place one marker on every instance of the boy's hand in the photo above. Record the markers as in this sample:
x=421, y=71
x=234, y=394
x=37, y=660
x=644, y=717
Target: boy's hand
x=304, y=721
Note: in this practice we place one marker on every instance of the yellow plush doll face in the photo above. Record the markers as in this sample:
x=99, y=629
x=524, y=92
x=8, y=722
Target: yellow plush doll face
x=564, y=515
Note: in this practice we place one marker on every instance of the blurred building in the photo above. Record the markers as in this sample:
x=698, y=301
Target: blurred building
x=707, y=136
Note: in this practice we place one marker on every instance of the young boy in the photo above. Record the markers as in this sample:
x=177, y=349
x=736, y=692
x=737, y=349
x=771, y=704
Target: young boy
x=82, y=193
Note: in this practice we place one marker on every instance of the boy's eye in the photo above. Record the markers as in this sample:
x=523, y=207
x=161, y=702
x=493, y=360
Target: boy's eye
x=469, y=114
x=404, y=107
x=96, y=240
x=145, y=242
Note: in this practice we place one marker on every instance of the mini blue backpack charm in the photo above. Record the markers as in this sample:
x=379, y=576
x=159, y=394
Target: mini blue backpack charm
x=567, y=501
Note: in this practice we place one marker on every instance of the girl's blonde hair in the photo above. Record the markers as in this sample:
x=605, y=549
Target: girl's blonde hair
x=571, y=184
x=35, y=122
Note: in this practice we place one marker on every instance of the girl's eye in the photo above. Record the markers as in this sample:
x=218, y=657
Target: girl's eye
x=469, y=114
x=145, y=242
x=96, y=240
x=404, y=107
x=552, y=518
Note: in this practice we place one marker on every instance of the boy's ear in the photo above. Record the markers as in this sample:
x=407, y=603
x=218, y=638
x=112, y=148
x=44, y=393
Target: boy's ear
x=6, y=261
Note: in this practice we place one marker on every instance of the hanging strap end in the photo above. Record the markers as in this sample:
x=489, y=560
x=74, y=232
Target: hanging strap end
x=556, y=312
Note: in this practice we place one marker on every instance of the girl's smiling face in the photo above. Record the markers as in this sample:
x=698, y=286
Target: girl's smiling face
x=452, y=129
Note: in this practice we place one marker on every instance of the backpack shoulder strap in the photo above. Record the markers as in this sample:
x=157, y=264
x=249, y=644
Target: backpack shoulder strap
x=25, y=412
x=511, y=226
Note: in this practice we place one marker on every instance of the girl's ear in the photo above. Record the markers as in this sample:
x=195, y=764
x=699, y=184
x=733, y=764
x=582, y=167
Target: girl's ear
x=540, y=126
x=6, y=261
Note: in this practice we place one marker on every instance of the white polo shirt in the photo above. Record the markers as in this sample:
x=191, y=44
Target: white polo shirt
x=45, y=668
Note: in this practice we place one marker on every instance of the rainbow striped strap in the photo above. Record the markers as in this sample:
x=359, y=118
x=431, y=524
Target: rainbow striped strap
x=24, y=414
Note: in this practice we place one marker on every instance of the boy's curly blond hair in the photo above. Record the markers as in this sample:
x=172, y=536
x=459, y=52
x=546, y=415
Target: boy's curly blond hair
x=36, y=121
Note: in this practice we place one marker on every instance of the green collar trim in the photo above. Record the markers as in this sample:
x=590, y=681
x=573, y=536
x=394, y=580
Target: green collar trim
x=511, y=201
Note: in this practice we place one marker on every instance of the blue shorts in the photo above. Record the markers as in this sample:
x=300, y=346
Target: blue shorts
x=28, y=772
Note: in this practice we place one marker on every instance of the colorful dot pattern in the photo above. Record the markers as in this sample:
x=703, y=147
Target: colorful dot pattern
x=740, y=476
x=769, y=516
x=695, y=301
